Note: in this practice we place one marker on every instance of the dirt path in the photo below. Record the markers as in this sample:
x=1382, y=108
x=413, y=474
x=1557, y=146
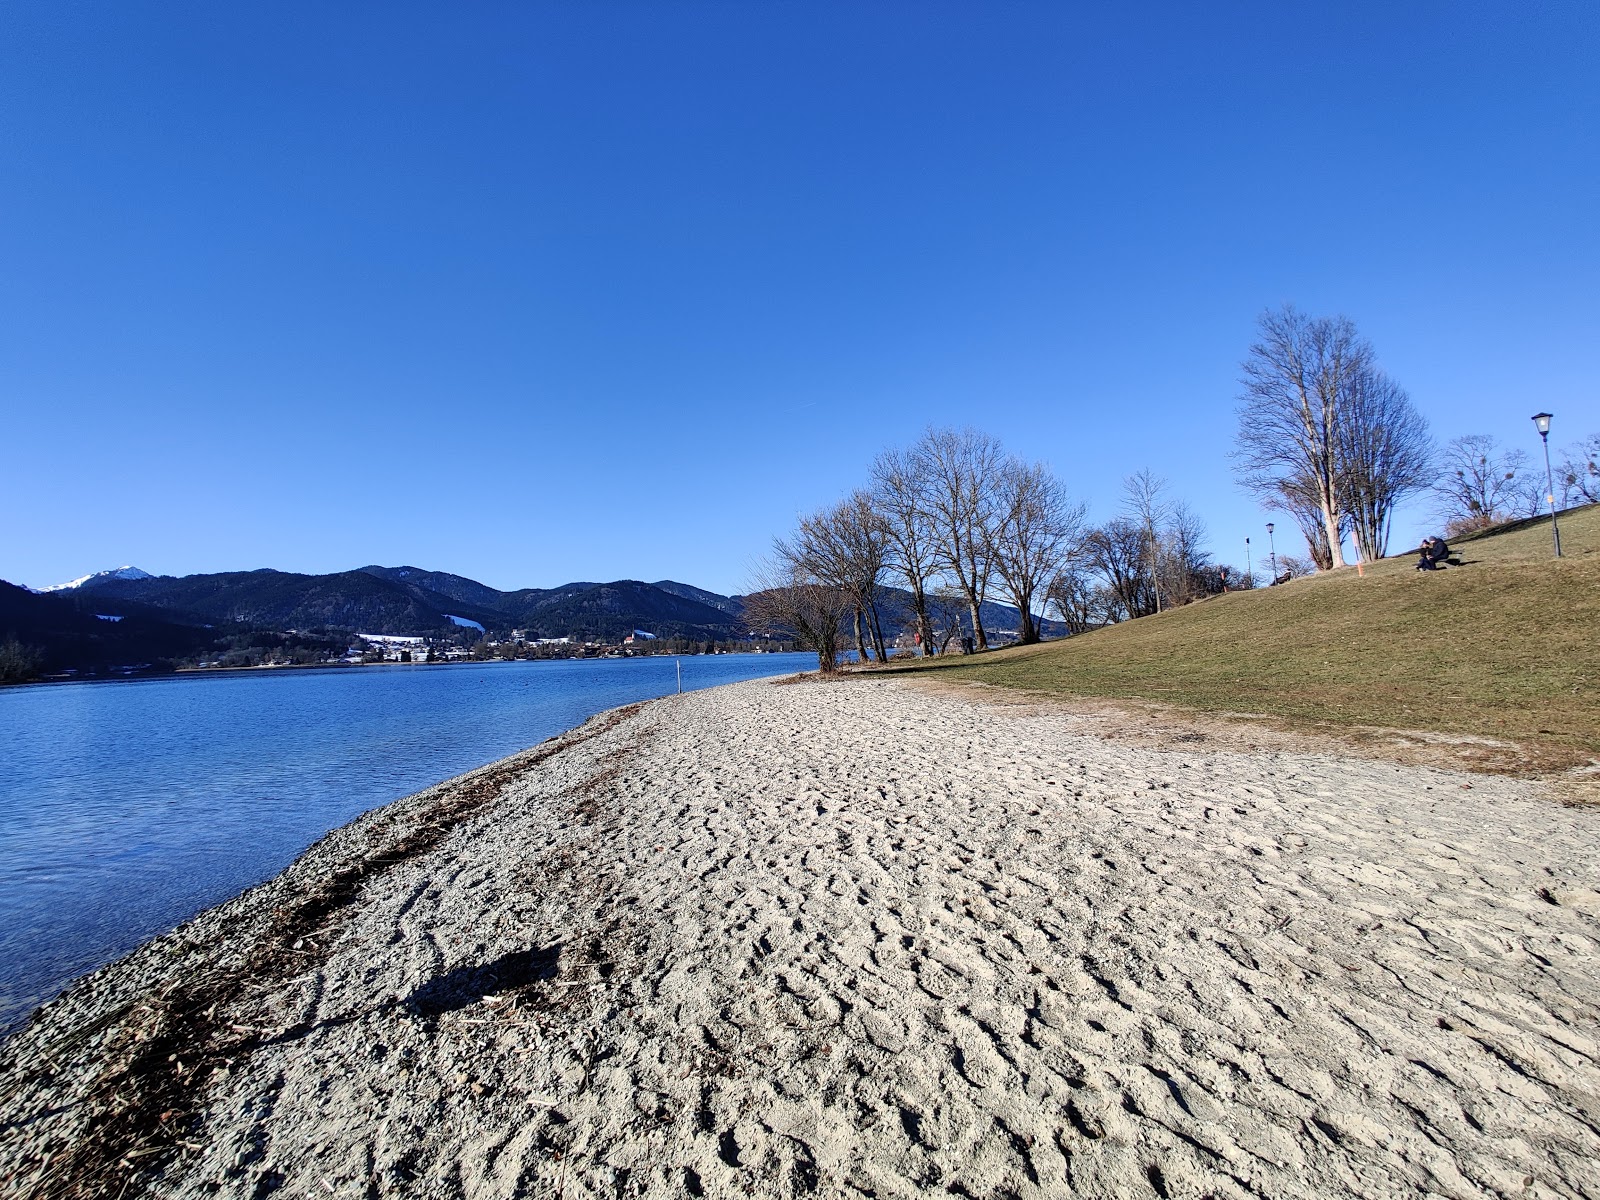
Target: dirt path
x=855, y=939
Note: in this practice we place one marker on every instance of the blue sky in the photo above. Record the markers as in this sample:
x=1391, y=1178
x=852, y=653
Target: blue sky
x=537, y=293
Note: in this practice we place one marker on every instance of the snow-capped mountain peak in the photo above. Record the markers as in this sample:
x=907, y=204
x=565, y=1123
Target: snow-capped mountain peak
x=123, y=572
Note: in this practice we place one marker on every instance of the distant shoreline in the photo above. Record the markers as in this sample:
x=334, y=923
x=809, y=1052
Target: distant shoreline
x=340, y=666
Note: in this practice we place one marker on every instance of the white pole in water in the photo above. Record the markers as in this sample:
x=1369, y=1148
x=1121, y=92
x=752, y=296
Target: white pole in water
x=680, y=675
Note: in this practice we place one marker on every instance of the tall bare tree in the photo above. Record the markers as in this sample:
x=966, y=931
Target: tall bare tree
x=1183, y=568
x=1081, y=604
x=1146, y=503
x=1116, y=551
x=845, y=546
x=1482, y=485
x=961, y=468
x=1035, y=530
x=1297, y=381
x=787, y=598
x=1298, y=497
x=899, y=492
x=1385, y=454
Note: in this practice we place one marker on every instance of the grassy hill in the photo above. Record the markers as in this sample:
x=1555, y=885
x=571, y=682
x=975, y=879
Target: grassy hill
x=1506, y=645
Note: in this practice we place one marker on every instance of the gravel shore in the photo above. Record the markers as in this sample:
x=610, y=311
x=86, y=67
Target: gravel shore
x=860, y=939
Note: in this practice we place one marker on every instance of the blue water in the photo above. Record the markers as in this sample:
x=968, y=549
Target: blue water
x=126, y=808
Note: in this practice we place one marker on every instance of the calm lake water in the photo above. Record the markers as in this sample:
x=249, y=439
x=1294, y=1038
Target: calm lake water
x=126, y=808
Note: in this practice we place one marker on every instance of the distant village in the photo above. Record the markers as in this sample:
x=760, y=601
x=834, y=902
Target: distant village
x=296, y=648
x=520, y=644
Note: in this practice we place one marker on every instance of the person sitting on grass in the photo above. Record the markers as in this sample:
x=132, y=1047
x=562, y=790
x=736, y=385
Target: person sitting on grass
x=1433, y=551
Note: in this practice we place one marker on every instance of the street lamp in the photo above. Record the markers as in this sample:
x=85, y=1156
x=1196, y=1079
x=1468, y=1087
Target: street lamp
x=1541, y=422
x=1249, y=571
x=1273, y=543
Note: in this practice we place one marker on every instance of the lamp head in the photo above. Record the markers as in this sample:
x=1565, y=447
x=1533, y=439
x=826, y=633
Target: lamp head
x=1542, y=422
x=1269, y=526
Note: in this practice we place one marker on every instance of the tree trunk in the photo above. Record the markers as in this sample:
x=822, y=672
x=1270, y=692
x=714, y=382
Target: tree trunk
x=861, y=647
x=978, y=636
x=919, y=604
x=1371, y=536
x=925, y=628
x=1330, y=521
x=1155, y=566
x=1029, y=632
x=875, y=623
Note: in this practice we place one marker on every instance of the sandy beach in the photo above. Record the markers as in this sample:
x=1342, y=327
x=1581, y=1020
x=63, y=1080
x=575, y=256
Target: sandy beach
x=861, y=939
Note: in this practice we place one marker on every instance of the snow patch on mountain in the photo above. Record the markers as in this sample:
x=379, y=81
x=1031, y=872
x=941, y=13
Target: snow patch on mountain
x=465, y=624
x=123, y=572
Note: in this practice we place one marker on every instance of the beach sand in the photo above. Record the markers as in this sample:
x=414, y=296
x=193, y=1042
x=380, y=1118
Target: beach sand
x=860, y=939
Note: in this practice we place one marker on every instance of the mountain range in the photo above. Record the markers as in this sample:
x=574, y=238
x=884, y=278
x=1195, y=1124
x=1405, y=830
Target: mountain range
x=413, y=601
x=128, y=611
x=98, y=576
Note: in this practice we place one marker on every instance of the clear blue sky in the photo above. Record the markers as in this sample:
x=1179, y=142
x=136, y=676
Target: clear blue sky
x=593, y=290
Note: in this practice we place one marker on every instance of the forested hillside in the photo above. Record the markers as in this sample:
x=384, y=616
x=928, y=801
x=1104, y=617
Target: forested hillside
x=161, y=619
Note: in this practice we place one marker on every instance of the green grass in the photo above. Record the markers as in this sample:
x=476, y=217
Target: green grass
x=1506, y=646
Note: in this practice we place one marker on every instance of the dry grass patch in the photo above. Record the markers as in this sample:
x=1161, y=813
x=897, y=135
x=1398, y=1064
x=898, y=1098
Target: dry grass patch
x=1499, y=657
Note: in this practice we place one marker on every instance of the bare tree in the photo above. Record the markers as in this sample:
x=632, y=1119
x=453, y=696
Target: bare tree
x=1035, y=530
x=1116, y=552
x=1297, y=382
x=1293, y=567
x=1385, y=454
x=889, y=611
x=946, y=609
x=1181, y=563
x=1081, y=604
x=1145, y=502
x=900, y=493
x=845, y=547
x=1298, y=497
x=1482, y=485
x=1579, y=473
x=788, y=599
x=961, y=468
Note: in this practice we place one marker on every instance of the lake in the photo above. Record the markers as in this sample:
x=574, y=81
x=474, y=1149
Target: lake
x=127, y=807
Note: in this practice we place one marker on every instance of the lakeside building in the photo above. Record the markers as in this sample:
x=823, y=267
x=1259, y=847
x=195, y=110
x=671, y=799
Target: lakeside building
x=393, y=639
x=396, y=647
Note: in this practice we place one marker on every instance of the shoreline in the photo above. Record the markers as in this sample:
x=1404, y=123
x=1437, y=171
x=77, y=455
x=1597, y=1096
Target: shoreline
x=339, y=666
x=850, y=936
x=126, y=1014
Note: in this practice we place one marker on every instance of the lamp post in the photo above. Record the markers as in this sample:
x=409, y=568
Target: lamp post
x=1541, y=422
x=1249, y=571
x=1271, y=542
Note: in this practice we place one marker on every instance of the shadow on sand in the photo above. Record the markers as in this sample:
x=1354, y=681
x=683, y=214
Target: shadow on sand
x=469, y=984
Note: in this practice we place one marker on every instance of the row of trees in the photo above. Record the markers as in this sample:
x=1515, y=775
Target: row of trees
x=952, y=522
x=1482, y=484
x=1149, y=557
x=1327, y=436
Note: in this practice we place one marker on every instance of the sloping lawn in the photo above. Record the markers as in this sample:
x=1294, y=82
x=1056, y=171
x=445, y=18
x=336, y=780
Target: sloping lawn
x=1506, y=646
